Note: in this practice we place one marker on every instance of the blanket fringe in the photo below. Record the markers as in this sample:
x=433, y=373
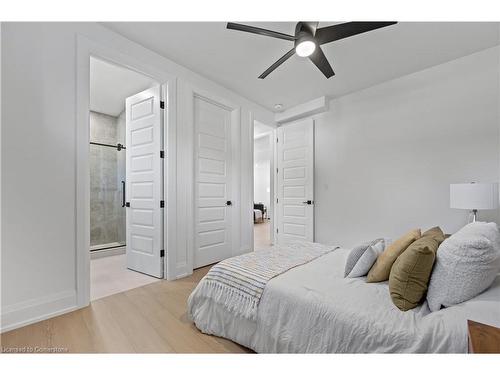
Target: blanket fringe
x=232, y=300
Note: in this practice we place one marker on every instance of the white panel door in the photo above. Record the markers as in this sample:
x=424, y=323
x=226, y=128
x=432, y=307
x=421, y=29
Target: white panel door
x=144, y=182
x=213, y=206
x=295, y=182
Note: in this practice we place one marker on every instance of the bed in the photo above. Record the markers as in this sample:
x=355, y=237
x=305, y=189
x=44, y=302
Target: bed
x=312, y=308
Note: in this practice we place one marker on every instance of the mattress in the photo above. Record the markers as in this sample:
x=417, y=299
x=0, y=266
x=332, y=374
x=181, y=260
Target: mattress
x=314, y=309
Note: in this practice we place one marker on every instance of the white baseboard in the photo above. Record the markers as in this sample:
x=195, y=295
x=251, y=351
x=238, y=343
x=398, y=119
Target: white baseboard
x=182, y=275
x=38, y=309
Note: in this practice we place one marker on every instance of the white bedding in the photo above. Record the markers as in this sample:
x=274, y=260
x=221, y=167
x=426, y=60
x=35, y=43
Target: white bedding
x=314, y=309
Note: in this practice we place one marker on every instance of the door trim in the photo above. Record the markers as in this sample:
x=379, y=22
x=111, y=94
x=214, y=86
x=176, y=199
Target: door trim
x=86, y=48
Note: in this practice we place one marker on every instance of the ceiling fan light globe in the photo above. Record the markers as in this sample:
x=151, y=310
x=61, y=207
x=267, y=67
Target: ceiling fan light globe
x=305, y=48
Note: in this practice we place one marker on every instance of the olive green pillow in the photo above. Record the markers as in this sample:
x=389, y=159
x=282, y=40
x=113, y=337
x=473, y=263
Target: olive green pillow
x=411, y=272
x=382, y=267
x=435, y=233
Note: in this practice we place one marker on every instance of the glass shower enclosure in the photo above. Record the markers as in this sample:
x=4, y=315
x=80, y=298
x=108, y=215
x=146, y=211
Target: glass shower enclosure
x=107, y=181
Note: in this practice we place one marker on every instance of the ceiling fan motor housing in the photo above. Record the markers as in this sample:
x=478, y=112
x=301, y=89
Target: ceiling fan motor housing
x=304, y=32
x=305, y=27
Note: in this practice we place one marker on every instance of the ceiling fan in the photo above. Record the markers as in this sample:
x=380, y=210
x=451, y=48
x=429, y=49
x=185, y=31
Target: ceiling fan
x=308, y=38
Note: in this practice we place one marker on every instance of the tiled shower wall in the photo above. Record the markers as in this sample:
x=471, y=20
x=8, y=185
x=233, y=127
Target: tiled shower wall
x=107, y=170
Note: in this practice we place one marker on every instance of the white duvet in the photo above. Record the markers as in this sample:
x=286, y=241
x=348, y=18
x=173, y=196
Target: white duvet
x=314, y=309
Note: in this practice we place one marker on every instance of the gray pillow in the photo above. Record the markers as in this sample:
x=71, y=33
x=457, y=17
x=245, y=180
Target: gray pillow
x=367, y=260
x=466, y=265
x=355, y=254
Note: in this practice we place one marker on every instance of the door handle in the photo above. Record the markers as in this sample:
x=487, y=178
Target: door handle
x=229, y=203
x=123, y=193
x=308, y=202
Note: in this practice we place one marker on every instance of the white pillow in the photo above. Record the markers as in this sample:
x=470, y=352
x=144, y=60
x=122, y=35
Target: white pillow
x=355, y=254
x=367, y=260
x=466, y=264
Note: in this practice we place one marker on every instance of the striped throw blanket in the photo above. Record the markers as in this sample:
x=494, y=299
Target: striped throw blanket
x=238, y=283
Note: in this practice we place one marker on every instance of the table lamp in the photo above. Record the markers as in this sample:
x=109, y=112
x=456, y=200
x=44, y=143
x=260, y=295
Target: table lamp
x=474, y=196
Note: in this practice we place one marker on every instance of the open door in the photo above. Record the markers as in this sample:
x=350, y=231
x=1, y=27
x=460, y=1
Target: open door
x=144, y=182
x=295, y=182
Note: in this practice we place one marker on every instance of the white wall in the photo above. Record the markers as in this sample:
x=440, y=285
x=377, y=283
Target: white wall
x=385, y=156
x=262, y=170
x=0, y=163
x=39, y=160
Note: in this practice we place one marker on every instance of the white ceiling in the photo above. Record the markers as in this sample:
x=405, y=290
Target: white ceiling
x=110, y=85
x=235, y=59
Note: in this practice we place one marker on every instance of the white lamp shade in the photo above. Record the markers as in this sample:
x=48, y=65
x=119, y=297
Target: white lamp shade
x=474, y=196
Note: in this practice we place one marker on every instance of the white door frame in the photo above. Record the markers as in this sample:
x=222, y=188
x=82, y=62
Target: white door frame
x=274, y=186
x=186, y=132
x=87, y=48
x=272, y=192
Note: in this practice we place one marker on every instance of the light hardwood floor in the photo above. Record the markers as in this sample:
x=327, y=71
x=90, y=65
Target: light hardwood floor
x=262, y=235
x=149, y=319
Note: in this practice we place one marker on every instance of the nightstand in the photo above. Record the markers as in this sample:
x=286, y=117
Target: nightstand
x=483, y=338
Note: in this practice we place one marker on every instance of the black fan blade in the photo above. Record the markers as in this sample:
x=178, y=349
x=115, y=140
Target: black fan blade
x=331, y=33
x=319, y=59
x=285, y=57
x=259, y=31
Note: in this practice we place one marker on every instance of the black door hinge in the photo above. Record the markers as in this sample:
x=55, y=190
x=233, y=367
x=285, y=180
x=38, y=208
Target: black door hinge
x=162, y=154
x=162, y=204
x=277, y=230
x=162, y=104
x=127, y=204
x=162, y=253
x=276, y=140
x=277, y=200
